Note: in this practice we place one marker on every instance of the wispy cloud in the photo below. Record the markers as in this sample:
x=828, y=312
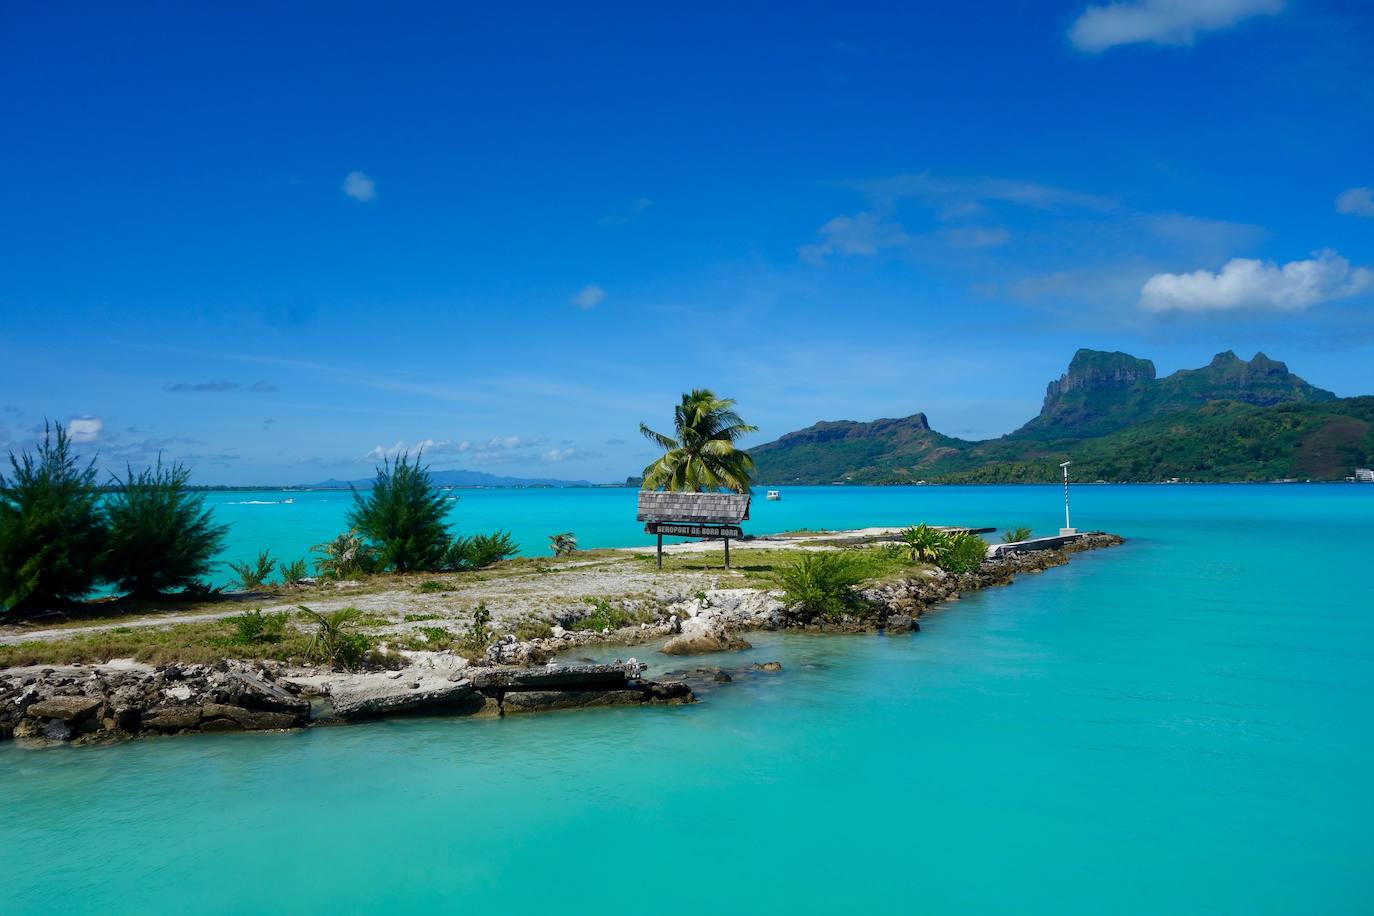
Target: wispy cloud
x=589, y=296
x=860, y=234
x=962, y=197
x=627, y=214
x=496, y=449
x=1356, y=202
x=1161, y=22
x=1245, y=283
x=359, y=187
x=219, y=385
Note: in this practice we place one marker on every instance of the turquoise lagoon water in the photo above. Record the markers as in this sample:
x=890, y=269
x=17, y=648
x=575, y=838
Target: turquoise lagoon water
x=1178, y=725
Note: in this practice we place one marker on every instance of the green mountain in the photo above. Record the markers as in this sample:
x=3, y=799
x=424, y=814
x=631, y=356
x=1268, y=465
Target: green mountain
x=1229, y=420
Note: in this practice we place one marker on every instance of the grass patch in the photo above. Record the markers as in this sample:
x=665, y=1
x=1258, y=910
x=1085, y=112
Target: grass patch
x=418, y=618
x=203, y=642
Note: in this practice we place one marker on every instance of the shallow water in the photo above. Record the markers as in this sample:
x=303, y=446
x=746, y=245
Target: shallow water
x=1180, y=724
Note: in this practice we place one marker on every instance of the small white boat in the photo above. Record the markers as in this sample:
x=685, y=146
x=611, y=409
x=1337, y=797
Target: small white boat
x=774, y=494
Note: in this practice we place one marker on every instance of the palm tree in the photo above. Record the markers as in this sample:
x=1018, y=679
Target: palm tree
x=703, y=456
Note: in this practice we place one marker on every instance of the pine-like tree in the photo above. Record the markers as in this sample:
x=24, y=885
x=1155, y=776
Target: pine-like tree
x=403, y=516
x=52, y=529
x=162, y=537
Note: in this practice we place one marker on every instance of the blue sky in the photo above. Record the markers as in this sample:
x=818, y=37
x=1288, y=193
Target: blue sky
x=277, y=243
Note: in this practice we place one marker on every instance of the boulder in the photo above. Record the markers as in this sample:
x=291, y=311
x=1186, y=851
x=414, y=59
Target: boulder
x=766, y=666
x=703, y=634
x=59, y=730
x=67, y=709
x=252, y=691
x=370, y=695
x=251, y=719
x=172, y=718
x=548, y=677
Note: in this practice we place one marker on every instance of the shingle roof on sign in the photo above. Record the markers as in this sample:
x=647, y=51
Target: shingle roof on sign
x=702, y=508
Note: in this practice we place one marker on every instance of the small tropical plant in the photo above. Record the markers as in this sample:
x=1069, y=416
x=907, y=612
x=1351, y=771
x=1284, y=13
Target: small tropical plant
x=52, y=531
x=345, y=557
x=161, y=536
x=964, y=554
x=701, y=454
x=336, y=641
x=403, y=516
x=924, y=543
x=1014, y=535
x=253, y=576
x=820, y=584
x=480, y=551
x=563, y=544
x=479, y=635
x=256, y=627
x=294, y=572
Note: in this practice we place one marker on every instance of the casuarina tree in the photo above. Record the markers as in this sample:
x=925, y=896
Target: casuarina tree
x=403, y=516
x=52, y=530
x=162, y=537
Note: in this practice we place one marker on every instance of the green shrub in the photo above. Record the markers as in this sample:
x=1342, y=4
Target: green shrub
x=605, y=615
x=161, y=535
x=253, y=576
x=415, y=618
x=429, y=586
x=403, y=516
x=479, y=635
x=924, y=543
x=964, y=554
x=293, y=573
x=480, y=551
x=254, y=626
x=436, y=638
x=336, y=642
x=820, y=584
x=563, y=544
x=533, y=629
x=52, y=531
x=1013, y=535
x=347, y=556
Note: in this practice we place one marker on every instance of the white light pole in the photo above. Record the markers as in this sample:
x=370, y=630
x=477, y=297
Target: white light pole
x=1068, y=527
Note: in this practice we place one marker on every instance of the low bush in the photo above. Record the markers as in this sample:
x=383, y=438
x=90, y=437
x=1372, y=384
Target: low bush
x=480, y=551
x=430, y=586
x=532, y=628
x=253, y=576
x=1013, y=535
x=254, y=626
x=964, y=553
x=347, y=556
x=293, y=573
x=820, y=584
x=335, y=641
x=924, y=543
x=605, y=615
x=478, y=635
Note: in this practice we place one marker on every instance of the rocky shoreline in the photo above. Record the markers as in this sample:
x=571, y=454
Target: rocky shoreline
x=121, y=700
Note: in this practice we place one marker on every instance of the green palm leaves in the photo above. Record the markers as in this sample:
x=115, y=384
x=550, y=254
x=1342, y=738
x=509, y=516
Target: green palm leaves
x=703, y=455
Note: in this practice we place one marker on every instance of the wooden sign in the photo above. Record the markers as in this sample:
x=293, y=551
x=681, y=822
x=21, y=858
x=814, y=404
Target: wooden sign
x=671, y=529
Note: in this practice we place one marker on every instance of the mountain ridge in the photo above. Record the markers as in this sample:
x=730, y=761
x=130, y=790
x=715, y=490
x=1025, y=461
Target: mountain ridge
x=1110, y=411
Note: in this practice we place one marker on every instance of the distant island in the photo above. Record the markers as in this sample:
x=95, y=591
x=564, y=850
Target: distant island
x=1230, y=420
x=457, y=478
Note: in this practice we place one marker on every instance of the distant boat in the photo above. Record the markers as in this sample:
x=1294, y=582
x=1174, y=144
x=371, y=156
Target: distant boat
x=289, y=500
x=774, y=494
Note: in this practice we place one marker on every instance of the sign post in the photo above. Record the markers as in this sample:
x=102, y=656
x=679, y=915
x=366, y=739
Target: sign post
x=1068, y=527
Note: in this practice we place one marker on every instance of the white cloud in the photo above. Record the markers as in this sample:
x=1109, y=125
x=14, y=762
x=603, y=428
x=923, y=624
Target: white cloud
x=589, y=296
x=860, y=234
x=1245, y=283
x=1356, y=202
x=85, y=429
x=359, y=187
x=555, y=455
x=1163, y=22
x=978, y=237
x=495, y=449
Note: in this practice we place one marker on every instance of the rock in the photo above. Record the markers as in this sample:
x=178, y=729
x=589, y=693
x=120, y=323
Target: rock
x=720, y=677
x=703, y=634
x=67, y=709
x=556, y=676
x=370, y=695
x=766, y=666
x=172, y=718
x=251, y=719
x=182, y=693
x=253, y=691
x=901, y=623
x=59, y=730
